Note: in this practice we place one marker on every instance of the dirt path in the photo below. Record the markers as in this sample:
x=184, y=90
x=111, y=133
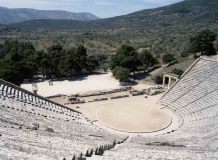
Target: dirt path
x=158, y=70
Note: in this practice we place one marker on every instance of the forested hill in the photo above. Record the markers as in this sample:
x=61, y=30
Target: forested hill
x=188, y=12
x=8, y=16
x=161, y=30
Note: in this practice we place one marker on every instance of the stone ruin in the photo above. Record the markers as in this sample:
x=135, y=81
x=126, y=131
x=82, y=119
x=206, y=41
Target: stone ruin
x=193, y=99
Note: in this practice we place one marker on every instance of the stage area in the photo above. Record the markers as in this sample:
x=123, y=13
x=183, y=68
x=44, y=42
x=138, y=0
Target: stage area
x=131, y=115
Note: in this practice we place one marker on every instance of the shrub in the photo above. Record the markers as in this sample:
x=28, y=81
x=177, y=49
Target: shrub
x=101, y=151
x=87, y=154
x=203, y=42
x=96, y=151
x=121, y=73
x=167, y=58
x=114, y=143
x=91, y=152
x=177, y=71
x=74, y=157
x=158, y=79
x=81, y=157
x=147, y=59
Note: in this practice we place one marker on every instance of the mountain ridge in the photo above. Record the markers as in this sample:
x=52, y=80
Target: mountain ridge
x=185, y=12
x=18, y=15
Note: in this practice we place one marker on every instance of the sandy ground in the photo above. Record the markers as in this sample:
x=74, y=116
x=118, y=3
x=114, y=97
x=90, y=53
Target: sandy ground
x=134, y=114
x=89, y=83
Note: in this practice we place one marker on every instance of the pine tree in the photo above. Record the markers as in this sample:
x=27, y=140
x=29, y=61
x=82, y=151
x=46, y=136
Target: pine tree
x=74, y=157
x=87, y=154
x=114, y=143
x=91, y=153
x=101, y=151
x=96, y=151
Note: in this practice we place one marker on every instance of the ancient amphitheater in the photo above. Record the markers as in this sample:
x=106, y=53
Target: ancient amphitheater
x=35, y=128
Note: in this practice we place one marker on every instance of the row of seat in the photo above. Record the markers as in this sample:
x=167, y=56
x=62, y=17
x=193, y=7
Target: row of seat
x=194, y=99
x=32, y=127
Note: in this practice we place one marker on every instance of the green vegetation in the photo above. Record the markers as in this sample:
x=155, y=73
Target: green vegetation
x=147, y=59
x=158, y=79
x=127, y=60
x=81, y=157
x=121, y=73
x=74, y=157
x=126, y=56
x=123, y=62
x=178, y=72
x=87, y=154
x=203, y=42
x=167, y=58
x=20, y=60
x=17, y=61
x=161, y=30
x=101, y=151
x=96, y=151
x=91, y=153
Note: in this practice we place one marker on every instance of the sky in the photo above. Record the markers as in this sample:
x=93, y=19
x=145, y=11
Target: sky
x=101, y=8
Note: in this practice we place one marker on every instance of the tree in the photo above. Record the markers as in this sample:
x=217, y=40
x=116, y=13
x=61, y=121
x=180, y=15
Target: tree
x=18, y=62
x=126, y=56
x=158, y=79
x=80, y=58
x=114, y=143
x=121, y=73
x=91, y=152
x=74, y=157
x=87, y=154
x=44, y=65
x=96, y=151
x=167, y=58
x=124, y=61
x=92, y=64
x=67, y=64
x=203, y=42
x=102, y=60
x=54, y=56
x=81, y=155
x=100, y=151
x=147, y=59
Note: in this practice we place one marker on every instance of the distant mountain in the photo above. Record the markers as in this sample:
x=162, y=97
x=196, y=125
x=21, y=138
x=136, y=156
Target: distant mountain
x=188, y=12
x=163, y=30
x=8, y=16
x=2, y=27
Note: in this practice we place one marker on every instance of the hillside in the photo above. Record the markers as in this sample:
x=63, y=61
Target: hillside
x=186, y=12
x=162, y=30
x=8, y=16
